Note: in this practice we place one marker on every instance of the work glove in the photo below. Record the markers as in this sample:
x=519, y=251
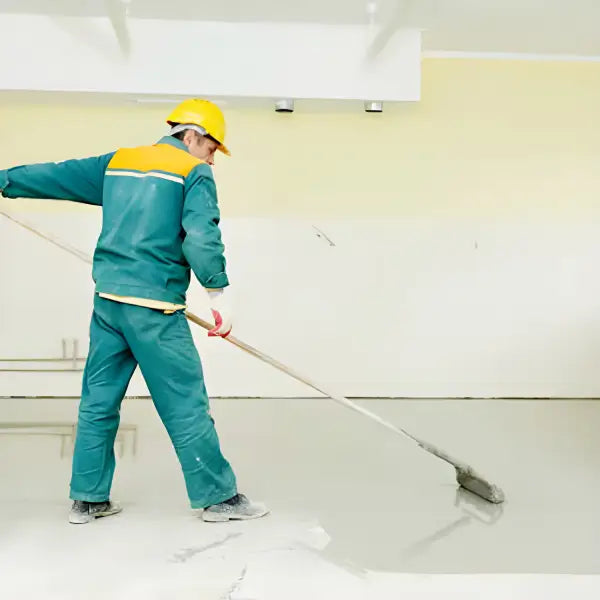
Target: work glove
x=221, y=310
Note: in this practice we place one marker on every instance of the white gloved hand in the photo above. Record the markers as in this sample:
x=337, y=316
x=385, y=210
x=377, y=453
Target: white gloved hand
x=220, y=306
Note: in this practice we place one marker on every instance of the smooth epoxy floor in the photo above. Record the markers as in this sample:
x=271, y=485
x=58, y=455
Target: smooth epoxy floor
x=348, y=497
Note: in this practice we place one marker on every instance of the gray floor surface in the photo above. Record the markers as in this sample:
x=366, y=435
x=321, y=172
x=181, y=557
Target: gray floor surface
x=353, y=493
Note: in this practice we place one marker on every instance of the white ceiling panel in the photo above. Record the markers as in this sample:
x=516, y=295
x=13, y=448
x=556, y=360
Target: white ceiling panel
x=510, y=26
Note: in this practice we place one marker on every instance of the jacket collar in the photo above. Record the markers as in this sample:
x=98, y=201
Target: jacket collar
x=171, y=141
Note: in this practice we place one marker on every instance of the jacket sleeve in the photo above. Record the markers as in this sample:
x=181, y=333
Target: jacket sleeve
x=79, y=180
x=202, y=245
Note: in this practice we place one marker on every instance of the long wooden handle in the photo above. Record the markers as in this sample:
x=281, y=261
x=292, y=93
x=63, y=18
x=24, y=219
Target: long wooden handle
x=303, y=379
x=459, y=465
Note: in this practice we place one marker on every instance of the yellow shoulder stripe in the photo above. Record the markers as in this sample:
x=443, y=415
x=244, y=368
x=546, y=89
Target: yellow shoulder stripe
x=160, y=157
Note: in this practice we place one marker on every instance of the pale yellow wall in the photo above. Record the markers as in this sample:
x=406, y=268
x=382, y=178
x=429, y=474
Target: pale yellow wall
x=488, y=138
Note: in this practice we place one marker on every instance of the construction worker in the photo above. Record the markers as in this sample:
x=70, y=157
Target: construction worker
x=160, y=220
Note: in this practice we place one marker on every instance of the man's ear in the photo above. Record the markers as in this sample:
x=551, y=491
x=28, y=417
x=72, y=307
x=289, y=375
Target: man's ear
x=187, y=137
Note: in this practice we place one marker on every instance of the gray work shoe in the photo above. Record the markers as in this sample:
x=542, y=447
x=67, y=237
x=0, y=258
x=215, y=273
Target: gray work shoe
x=84, y=512
x=238, y=508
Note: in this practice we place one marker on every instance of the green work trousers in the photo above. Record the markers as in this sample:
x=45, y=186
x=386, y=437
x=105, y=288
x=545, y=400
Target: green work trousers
x=121, y=337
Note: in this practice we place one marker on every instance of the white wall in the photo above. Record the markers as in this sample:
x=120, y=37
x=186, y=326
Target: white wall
x=398, y=307
x=498, y=154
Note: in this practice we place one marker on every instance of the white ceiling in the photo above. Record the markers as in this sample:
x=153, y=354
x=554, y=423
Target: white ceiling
x=506, y=26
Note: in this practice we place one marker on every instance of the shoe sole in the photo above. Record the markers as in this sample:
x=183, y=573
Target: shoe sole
x=224, y=518
x=82, y=520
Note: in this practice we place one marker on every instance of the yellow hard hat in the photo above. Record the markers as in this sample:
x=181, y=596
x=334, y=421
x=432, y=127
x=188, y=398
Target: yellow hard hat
x=202, y=113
